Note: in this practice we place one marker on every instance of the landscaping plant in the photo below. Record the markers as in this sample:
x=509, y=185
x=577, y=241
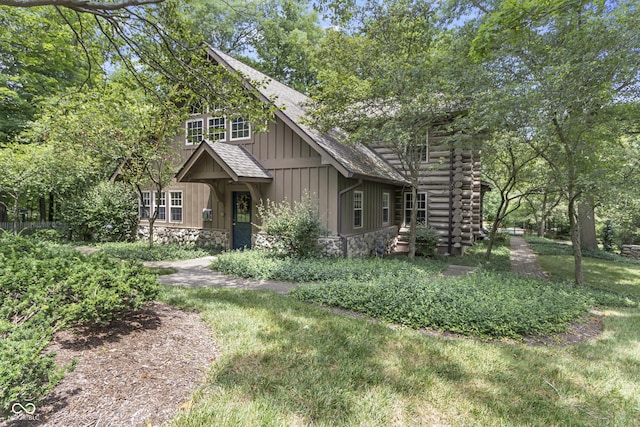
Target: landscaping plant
x=45, y=288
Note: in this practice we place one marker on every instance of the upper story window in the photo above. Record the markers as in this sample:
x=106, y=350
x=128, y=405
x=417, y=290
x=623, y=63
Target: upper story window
x=195, y=131
x=240, y=129
x=357, y=209
x=217, y=129
x=385, y=208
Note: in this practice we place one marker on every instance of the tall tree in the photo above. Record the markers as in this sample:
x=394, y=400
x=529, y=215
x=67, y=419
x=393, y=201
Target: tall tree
x=389, y=83
x=575, y=62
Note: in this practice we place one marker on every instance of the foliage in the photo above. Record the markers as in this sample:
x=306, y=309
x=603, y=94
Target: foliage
x=107, y=212
x=485, y=304
x=280, y=35
x=263, y=265
x=142, y=252
x=290, y=363
x=292, y=230
x=426, y=240
x=44, y=288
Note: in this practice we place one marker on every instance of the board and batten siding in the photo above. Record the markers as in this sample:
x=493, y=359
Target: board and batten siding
x=371, y=206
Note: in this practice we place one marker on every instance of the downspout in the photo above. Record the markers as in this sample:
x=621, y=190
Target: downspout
x=345, y=251
x=449, y=244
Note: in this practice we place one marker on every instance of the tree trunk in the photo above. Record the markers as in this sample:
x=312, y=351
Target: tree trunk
x=43, y=209
x=575, y=238
x=51, y=208
x=152, y=220
x=413, y=223
x=542, y=225
x=502, y=208
x=587, y=222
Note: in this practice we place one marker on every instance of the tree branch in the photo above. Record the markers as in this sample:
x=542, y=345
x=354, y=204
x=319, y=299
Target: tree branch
x=80, y=5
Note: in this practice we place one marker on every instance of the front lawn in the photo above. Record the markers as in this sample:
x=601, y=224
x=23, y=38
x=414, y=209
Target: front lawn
x=602, y=270
x=284, y=362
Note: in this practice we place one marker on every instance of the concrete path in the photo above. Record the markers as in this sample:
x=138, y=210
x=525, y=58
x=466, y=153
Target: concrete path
x=195, y=273
x=524, y=261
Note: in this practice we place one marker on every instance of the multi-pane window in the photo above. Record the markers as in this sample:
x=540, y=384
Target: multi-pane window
x=195, y=131
x=421, y=212
x=385, y=208
x=240, y=129
x=217, y=130
x=145, y=204
x=357, y=209
x=175, y=211
x=161, y=204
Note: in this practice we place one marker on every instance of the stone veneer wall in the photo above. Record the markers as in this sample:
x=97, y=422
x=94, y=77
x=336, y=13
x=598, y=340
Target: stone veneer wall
x=359, y=245
x=630, y=251
x=186, y=236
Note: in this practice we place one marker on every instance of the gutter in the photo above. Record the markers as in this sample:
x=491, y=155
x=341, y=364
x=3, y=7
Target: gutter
x=345, y=251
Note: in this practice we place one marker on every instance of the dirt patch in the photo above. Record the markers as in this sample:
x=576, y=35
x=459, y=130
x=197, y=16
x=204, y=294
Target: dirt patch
x=135, y=372
x=585, y=329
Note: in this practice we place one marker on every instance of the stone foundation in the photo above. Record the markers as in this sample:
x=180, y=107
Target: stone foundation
x=630, y=251
x=358, y=245
x=207, y=238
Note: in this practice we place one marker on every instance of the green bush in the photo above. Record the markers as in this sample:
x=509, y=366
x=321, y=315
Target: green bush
x=481, y=304
x=265, y=265
x=158, y=252
x=107, y=212
x=426, y=240
x=46, y=287
x=292, y=230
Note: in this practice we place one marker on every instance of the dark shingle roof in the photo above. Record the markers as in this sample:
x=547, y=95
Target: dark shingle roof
x=355, y=160
x=238, y=160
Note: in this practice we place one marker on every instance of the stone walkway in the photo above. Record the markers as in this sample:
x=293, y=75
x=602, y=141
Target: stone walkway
x=195, y=273
x=524, y=261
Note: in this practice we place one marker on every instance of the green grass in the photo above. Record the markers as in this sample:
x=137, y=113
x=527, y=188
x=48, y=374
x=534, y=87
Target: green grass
x=602, y=270
x=474, y=256
x=284, y=362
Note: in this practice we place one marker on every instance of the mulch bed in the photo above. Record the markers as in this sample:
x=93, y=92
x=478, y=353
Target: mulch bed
x=138, y=371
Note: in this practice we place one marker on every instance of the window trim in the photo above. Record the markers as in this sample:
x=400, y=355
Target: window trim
x=231, y=130
x=158, y=206
x=224, y=127
x=404, y=206
x=172, y=206
x=386, y=208
x=359, y=209
x=141, y=216
x=186, y=129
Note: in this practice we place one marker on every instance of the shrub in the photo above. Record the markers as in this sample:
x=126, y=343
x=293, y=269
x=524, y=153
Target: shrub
x=483, y=304
x=265, y=265
x=164, y=252
x=107, y=212
x=292, y=230
x=46, y=287
x=426, y=240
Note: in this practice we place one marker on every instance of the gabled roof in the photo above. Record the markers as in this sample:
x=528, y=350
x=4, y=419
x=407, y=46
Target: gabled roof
x=353, y=161
x=235, y=160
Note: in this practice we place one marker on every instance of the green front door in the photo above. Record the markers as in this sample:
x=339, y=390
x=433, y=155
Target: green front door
x=241, y=217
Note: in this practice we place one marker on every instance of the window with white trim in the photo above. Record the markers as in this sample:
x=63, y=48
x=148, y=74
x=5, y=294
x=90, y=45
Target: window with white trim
x=194, y=131
x=240, y=129
x=217, y=130
x=385, y=208
x=161, y=205
x=357, y=209
x=175, y=211
x=421, y=213
x=145, y=204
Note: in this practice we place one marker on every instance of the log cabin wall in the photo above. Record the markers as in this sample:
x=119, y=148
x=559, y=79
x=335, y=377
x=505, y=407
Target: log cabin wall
x=450, y=178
